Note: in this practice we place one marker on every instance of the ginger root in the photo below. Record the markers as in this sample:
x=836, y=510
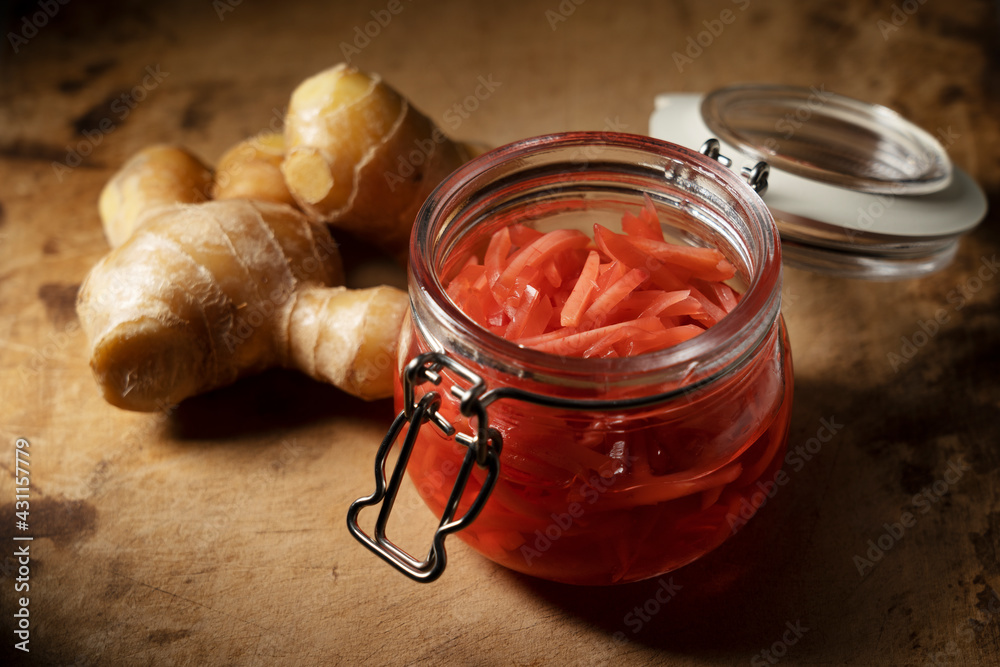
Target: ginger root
x=360, y=157
x=252, y=170
x=203, y=294
x=217, y=276
x=159, y=175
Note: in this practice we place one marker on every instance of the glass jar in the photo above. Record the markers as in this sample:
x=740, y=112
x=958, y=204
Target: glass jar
x=589, y=470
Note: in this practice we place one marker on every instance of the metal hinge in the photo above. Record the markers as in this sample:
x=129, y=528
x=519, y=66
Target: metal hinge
x=483, y=450
x=756, y=176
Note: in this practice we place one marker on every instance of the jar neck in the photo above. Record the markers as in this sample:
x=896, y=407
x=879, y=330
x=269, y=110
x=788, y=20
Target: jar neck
x=541, y=179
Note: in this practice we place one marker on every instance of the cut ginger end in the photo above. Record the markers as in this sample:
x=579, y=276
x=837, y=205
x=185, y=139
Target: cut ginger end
x=148, y=366
x=334, y=119
x=626, y=295
x=309, y=170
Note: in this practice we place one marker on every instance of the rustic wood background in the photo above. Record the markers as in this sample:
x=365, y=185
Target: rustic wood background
x=215, y=534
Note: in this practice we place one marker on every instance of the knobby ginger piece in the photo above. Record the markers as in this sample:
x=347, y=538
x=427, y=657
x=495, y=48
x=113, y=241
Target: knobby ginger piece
x=360, y=157
x=356, y=355
x=252, y=170
x=203, y=294
x=159, y=175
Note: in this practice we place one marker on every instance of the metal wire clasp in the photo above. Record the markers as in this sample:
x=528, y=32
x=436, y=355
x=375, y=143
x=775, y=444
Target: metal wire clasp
x=483, y=450
x=756, y=176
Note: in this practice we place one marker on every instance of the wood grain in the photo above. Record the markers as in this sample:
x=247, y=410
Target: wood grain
x=215, y=534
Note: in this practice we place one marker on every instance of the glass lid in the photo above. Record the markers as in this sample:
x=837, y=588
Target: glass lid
x=829, y=138
x=855, y=189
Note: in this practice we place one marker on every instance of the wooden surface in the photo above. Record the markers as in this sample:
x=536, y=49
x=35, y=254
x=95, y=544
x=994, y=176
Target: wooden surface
x=215, y=534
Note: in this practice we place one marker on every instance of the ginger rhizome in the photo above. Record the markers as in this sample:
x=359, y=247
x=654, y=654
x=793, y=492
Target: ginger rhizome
x=203, y=294
x=215, y=276
x=252, y=170
x=158, y=175
x=361, y=157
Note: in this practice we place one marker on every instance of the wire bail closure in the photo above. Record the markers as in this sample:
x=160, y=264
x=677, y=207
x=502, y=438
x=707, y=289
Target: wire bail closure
x=756, y=176
x=483, y=450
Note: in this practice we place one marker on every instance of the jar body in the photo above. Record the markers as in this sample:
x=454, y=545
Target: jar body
x=628, y=490
x=600, y=498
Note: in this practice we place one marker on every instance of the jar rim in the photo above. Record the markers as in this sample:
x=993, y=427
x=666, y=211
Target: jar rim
x=720, y=348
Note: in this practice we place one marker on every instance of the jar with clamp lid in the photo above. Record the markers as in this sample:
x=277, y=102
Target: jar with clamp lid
x=586, y=470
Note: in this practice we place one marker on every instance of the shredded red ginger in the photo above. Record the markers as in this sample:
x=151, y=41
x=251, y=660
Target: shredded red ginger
x=615, y=295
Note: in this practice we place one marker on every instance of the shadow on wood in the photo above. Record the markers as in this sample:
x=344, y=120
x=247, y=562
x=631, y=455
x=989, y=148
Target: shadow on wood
x=273, y=401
